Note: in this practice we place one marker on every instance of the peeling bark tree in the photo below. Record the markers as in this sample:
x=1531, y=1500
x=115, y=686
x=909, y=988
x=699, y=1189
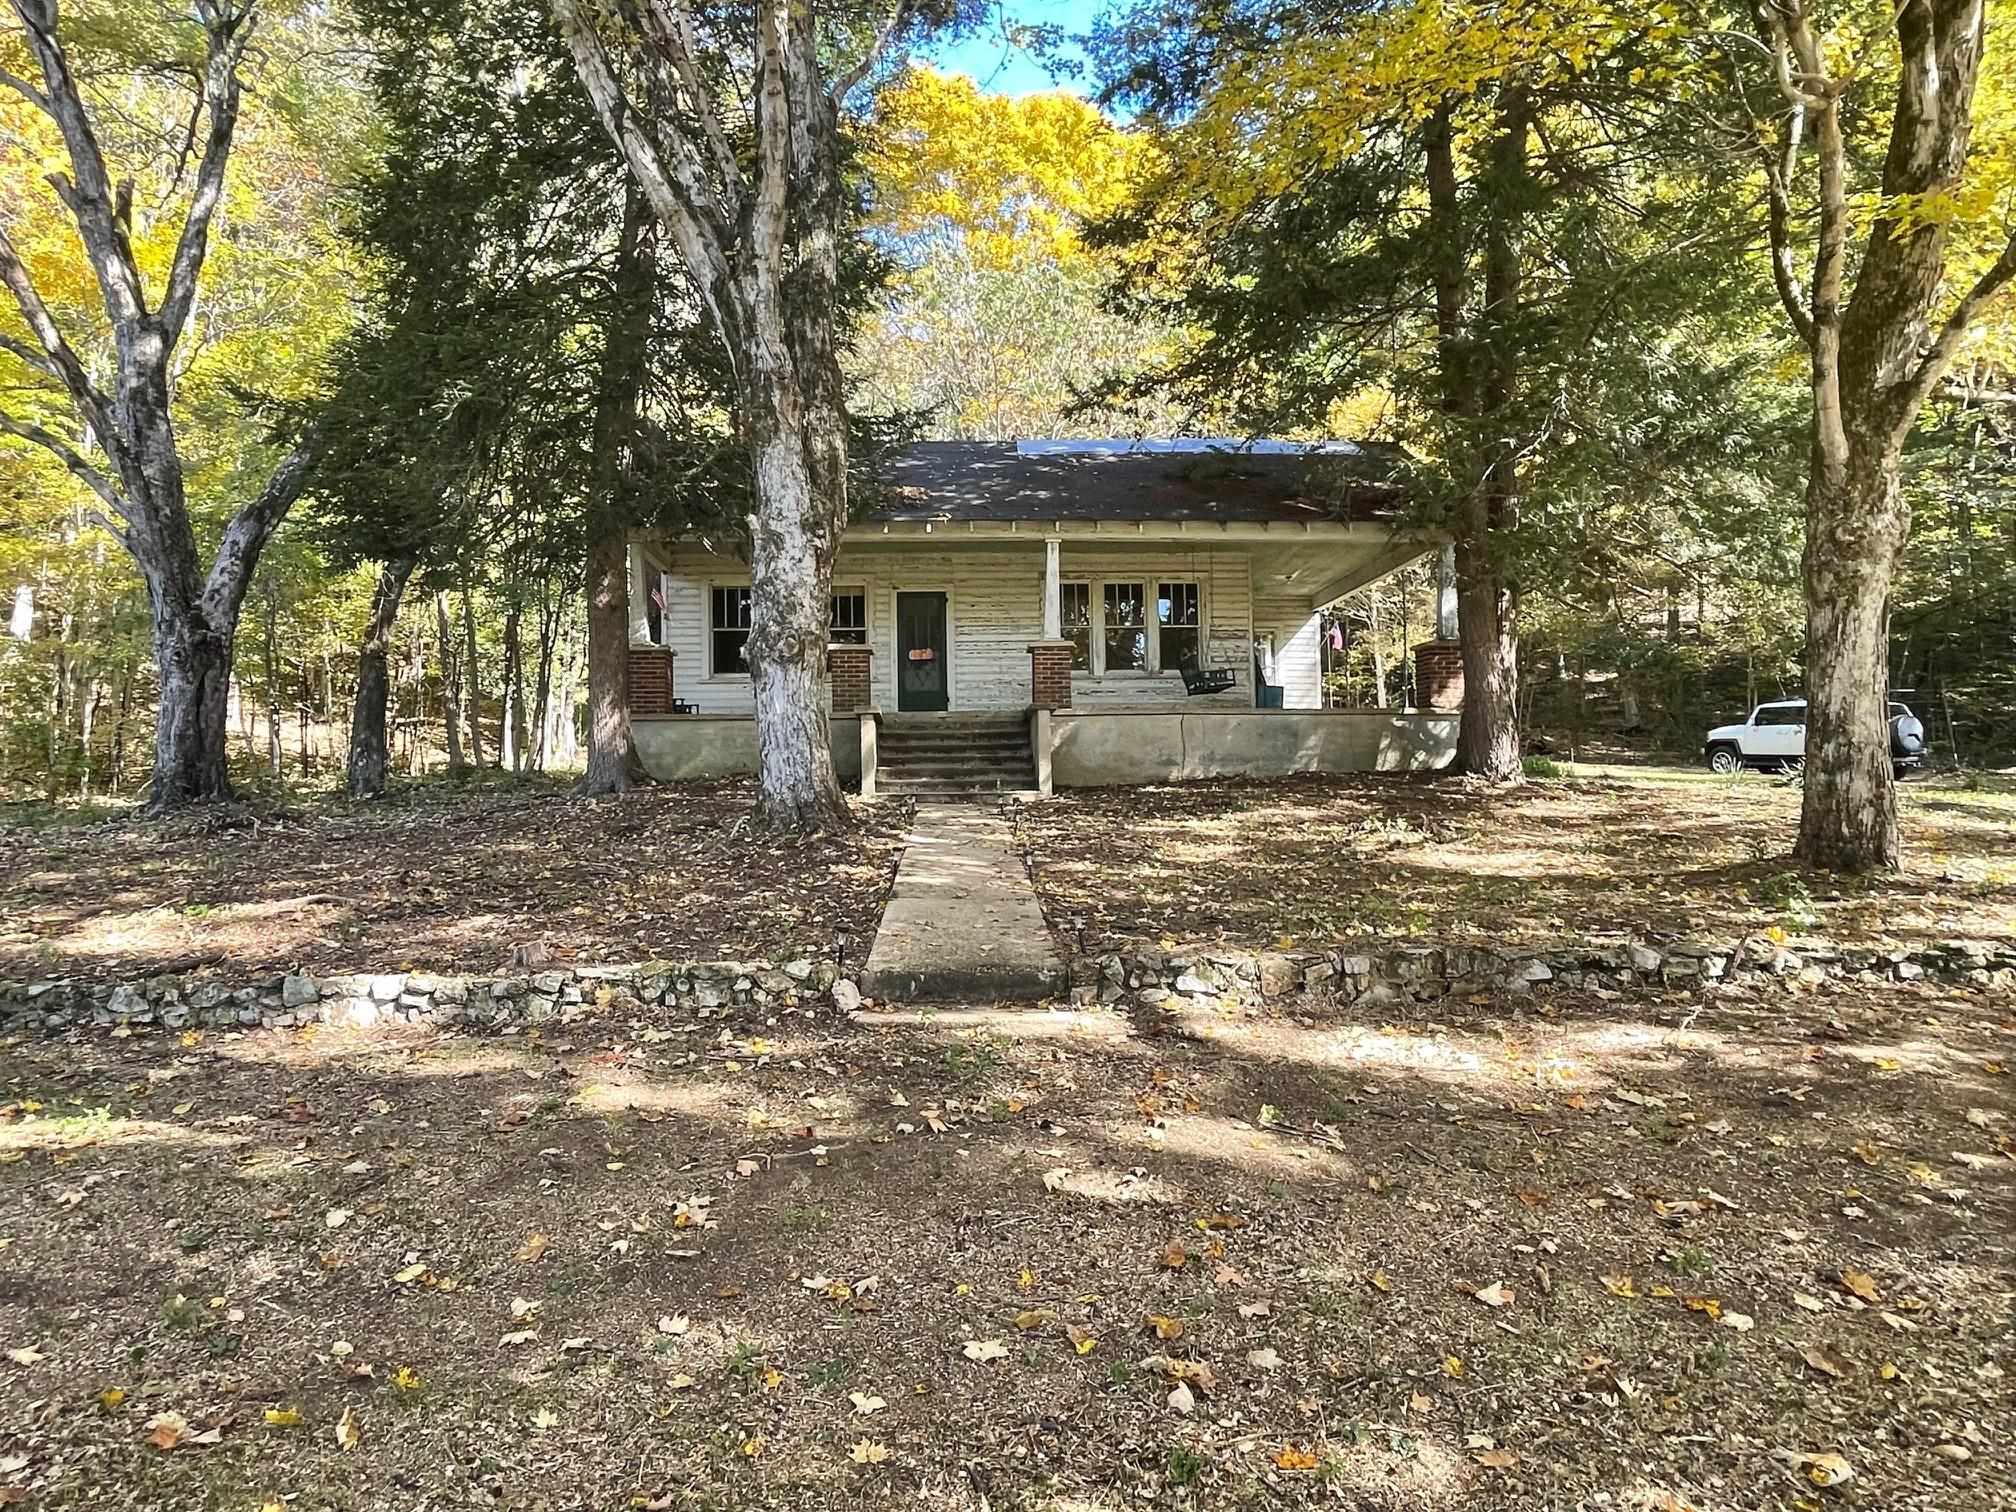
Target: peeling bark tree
x=1875, y=357
x=759, y=233
x=370, y=754
x=195, y=611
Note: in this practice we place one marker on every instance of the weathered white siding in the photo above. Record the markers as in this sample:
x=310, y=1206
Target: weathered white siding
x=1298, y=650
x=994, y=606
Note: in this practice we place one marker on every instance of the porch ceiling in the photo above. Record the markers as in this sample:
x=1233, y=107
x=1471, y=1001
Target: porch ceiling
x=1321, y=571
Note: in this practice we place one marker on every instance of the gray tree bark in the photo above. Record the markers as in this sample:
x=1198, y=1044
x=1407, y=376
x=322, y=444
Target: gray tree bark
x=472, y=683
x=613, y=766
x=195, y=611
x=451, y=684
x=370, y=753
x=1875, y=354
x=759, y=232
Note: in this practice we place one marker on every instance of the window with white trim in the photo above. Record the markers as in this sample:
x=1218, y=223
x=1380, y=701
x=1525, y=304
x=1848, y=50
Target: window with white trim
x=1075, y=618
x=848, y=624
x=1125, y=635
x=728, y=632
x=1179, y=627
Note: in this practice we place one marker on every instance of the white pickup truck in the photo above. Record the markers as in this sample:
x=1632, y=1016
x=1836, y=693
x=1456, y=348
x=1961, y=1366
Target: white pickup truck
x=1775, y=736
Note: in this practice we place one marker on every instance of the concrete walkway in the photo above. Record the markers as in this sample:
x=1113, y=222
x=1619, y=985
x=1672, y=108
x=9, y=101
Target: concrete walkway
x=962, y=924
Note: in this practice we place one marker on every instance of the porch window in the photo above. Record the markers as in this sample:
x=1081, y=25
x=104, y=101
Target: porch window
x=728, y=632
x=1179, y=626
x=849, y=622
x=1126, y=636
x=1075, y=617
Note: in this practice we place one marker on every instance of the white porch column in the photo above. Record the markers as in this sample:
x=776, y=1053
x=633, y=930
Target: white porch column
x=641, y=583
x=1053, y=610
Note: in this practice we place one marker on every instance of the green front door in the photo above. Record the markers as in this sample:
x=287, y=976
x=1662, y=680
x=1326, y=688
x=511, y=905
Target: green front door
x=920, y=653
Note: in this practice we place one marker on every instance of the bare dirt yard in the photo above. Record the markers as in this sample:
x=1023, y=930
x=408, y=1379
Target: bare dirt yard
x=440, y=880
x=1665, y=852
x=1650, y=1252
x=1523, y=1253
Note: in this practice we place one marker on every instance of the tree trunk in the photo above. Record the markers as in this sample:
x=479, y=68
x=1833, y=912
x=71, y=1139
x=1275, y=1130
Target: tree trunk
x=1855, y=533
x=94, y=697
x=799, y=459
x=118, y=759
x=1477, y=379
x=451, y=684
x=608, y=665
x=1487, y=743
x=542, y=693
x=273, y=760
x=473, y=683
x=192, y=720
x=370, y=755
x=613, y=766
x=513, y=733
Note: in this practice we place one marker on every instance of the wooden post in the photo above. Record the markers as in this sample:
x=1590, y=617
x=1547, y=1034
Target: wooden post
x=1053, y=598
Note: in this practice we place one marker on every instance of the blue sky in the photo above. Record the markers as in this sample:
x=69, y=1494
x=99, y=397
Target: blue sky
x=994, y=65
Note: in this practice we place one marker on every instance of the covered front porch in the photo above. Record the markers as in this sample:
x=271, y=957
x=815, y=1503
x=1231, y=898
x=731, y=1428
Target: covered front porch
x=976, y=618
x=1117, y=652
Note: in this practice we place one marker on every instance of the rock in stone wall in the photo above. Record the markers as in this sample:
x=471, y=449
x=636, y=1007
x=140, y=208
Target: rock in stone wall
x=365, y=1001
x=1425, y=972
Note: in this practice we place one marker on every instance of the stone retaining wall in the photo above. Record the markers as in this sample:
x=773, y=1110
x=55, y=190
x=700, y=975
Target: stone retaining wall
x=280, y=1002
x=1157, y=978
x=1425, y=972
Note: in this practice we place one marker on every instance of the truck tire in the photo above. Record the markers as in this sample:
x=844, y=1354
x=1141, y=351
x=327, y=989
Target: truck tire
x=1725, y=760
x=1907, y=738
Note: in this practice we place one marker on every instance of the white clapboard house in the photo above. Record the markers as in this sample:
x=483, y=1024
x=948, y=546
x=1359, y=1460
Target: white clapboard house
x=1018, y=615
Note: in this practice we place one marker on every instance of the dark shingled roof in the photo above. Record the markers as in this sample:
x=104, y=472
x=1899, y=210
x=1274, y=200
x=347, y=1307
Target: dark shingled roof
x=994, y=481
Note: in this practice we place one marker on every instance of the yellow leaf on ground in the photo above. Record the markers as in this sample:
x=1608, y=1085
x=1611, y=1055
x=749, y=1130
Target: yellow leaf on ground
x=1827, y=1469
x=1294, y=1457
x=1451, y=1366
x=1619, y=1286
x=868, y=1452
x=532, y=1248
x=406, y=1378
x=1081, y=1340
x=283, y=1417
x=1862, y=1284
x=1165, y=1327
x=349, y=1431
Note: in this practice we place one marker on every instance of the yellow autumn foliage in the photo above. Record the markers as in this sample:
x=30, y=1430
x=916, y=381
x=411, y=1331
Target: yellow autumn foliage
x=1013, y=178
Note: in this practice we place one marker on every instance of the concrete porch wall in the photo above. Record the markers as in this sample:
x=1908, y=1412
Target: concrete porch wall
x=686, y=746
x=1115, y=749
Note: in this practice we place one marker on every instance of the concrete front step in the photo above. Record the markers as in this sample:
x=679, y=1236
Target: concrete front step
x=953, y=787
x=959, y=764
